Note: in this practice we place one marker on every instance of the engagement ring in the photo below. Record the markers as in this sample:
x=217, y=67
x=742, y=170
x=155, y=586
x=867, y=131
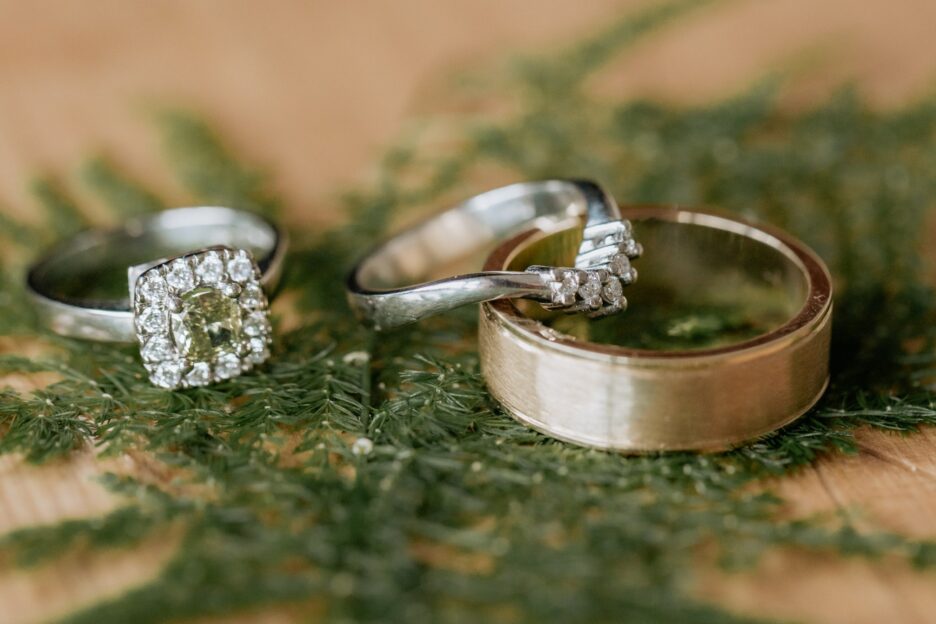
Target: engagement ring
x=199, y=312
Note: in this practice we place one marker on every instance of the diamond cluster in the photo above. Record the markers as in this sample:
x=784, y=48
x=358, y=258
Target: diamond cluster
x=603, y=268
x=201, y=318
x=596, y=292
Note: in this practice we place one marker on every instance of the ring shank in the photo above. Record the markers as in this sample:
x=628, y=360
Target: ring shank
x=80, y=288
x=384, y=289
x=638, y=399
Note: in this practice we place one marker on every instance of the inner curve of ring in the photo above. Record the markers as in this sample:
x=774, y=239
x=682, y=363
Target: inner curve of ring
x=701, y=275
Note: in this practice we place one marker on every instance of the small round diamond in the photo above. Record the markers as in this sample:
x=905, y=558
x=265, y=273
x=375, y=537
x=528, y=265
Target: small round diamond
x=619, y=265
x=153, y=320
x=569, y=283
x=240, y=268
x=200, y=375
x=259, y=351
x=166, y=374
x=152, y=287
x=591, y=288
x=211, y=269
x=564, y=287
x=563, y=299
x=227, y=365
x=256, y=324
x=632, y=248
x=613, y=290
x=252, y=297
x=229, y=289
x=157, y=348
x=180, y=277
x=630, y=277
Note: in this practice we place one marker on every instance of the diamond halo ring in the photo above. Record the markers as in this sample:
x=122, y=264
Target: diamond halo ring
x=200, y=313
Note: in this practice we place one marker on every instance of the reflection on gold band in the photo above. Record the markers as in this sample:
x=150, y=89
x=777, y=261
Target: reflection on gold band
x=663, y=376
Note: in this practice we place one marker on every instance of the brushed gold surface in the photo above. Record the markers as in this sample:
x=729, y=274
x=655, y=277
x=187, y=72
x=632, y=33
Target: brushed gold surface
x=639, y=400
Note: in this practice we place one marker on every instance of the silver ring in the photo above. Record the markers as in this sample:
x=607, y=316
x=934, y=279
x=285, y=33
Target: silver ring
x=383, y=288
x=189, y=284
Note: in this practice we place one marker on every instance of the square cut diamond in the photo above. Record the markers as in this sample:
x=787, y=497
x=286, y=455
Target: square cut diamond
x=197, y=322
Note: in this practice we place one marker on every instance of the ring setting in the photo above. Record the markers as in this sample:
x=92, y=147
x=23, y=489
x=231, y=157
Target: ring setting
x=201, y=318
x=595, y=292
x=603, y=268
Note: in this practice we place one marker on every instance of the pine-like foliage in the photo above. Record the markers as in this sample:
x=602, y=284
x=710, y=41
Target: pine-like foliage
x=365, y=478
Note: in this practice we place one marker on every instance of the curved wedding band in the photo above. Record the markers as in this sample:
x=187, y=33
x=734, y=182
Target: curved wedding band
x=638, y=399
x=187, y=283
x=382, y=291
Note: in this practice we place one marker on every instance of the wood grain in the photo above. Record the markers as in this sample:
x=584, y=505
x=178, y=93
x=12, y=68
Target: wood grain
x=313, y=89
x=889, y=485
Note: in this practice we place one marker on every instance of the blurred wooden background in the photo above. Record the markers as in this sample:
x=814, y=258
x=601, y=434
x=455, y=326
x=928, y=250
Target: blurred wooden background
x=313, y=89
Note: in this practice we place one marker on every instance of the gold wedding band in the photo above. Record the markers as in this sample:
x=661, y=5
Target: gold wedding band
x=726, y=339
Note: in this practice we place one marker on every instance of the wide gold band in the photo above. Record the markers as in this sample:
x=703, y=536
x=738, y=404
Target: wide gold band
x=637, y=399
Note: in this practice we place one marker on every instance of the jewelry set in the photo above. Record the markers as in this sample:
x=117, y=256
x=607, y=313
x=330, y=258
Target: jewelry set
x=191, y=286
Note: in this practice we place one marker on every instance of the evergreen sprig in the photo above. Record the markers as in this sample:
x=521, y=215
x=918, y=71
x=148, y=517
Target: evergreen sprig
x=364, y=478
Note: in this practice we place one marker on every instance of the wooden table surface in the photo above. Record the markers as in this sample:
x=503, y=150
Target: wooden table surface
x=314, y=89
